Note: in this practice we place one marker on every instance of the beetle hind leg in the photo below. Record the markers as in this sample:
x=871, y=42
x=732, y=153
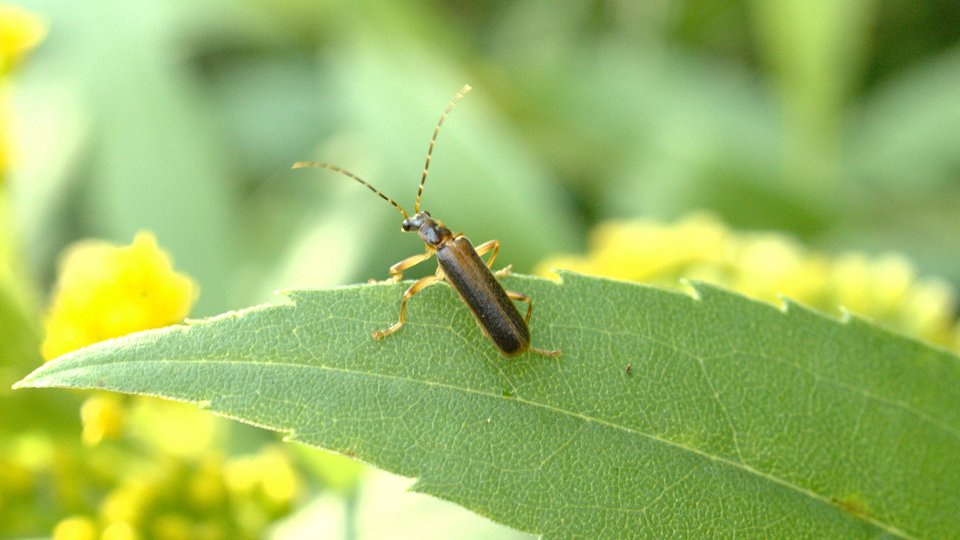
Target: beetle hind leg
x=520, y=297
x=543, y=352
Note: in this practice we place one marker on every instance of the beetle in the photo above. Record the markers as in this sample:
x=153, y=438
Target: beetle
x=459, y=264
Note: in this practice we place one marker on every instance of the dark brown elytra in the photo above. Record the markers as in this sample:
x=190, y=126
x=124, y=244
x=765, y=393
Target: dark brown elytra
x=459, y=265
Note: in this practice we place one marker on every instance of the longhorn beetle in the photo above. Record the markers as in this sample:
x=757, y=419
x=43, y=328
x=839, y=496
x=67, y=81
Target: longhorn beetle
x=459, y=264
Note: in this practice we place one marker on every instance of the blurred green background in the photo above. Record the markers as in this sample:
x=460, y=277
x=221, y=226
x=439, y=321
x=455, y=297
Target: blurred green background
x=837, y=122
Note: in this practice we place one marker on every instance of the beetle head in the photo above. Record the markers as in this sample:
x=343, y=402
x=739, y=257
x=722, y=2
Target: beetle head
x=416, y=222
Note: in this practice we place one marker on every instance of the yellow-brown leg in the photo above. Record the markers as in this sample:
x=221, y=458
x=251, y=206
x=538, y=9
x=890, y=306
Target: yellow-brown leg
x=520, y=297
x=421, y=284
x=492, y=245
x=396, y=271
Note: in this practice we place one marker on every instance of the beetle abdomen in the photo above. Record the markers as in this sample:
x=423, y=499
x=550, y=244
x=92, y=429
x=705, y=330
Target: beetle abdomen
x=481, y=291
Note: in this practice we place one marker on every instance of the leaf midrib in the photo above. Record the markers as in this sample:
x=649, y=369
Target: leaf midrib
x=550, y=408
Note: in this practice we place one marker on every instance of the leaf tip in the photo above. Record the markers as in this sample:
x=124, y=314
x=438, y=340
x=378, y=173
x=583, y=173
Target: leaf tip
x=32, y=380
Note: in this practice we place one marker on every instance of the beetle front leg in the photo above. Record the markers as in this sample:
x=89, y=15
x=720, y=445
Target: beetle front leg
x=396, y=271
x=421, y=284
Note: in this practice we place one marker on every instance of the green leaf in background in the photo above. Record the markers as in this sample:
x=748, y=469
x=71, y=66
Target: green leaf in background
x=665, y=415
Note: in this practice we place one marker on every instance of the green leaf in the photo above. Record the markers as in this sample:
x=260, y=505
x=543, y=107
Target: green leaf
x=665, y=415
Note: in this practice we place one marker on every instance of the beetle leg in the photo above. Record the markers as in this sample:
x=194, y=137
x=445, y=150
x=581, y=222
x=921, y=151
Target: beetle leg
x=520, y=297
x=421, y=284
x=396, y=271
x=492, y=245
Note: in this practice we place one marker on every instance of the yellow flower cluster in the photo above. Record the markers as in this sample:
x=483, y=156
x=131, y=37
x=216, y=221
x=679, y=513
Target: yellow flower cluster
x=106, y=291
x=767, y=266
x=192, y=499
x=161, y=478
x=268, y=475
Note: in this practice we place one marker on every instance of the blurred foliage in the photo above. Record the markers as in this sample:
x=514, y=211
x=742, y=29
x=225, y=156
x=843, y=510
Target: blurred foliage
x=835, y=123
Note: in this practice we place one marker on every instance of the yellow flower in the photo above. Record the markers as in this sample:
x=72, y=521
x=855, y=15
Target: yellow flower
x=172, y=527
x=20, y=31
x=106, y=291
x=766, y=266
x=120, y=530
x=102, y=418
x=646, y=250
x=176, y=429
x=205, y=487
x=242, y=474
x=128, y=503
x=15, y=478
x=269, y=473
x=280, y=481
x=5, y=142
x=76, y=528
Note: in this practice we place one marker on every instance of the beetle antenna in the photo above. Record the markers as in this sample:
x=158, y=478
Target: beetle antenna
x=334, y=168
x=463, y=91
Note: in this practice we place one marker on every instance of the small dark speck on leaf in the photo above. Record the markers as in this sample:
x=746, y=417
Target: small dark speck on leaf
x=629, y=370
x=507, y=393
